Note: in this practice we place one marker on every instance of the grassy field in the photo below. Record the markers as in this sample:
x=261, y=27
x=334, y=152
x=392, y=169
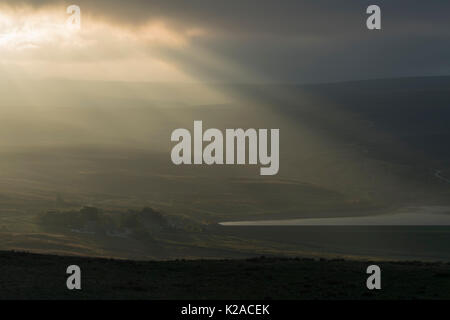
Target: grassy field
x=33, y=276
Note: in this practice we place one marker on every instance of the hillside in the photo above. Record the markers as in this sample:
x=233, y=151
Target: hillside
x=32, y=276
x=347, y=149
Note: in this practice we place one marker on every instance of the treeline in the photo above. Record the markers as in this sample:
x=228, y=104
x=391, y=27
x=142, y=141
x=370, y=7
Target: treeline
x=142, y=223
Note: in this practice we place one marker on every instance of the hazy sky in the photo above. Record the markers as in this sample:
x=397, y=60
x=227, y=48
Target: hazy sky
x=224, y=41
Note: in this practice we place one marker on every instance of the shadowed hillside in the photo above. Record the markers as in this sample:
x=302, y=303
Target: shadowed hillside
x=31, y=276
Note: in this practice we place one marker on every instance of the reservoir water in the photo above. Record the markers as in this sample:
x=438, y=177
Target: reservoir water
x=419, y=233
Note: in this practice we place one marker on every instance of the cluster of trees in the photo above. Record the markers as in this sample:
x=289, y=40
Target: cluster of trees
x=139, y=223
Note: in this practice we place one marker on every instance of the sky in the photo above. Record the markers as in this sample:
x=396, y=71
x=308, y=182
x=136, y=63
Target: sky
x=224, y=41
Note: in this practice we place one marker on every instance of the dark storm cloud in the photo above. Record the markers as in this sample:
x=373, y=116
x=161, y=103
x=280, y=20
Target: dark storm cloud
x=300, y=41
x=286, y=16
